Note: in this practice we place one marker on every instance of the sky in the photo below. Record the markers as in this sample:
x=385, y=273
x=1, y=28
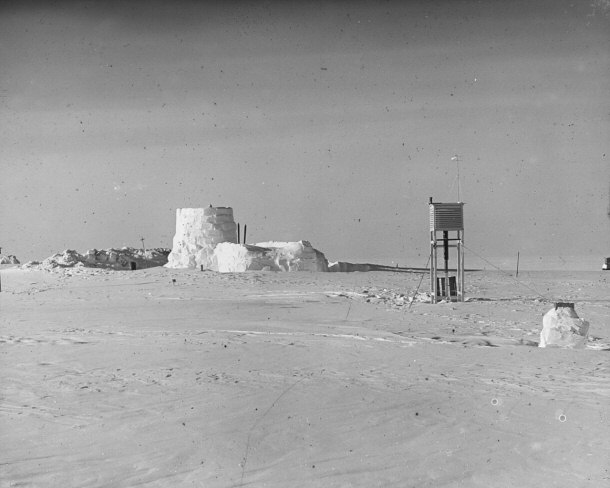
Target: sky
x=328, y=121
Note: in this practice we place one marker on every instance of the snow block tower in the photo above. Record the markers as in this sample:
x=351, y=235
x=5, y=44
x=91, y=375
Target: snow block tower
x=198, y=232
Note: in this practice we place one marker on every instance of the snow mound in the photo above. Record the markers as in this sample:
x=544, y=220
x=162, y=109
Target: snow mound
x=561, y=327
x=267, y=256
x=10, y=259
x=106, y=258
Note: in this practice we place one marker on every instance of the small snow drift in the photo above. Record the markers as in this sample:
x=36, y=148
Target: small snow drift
x=198, y=232
x=10, y=259
x=123, y=258
x=268, y=256
x=561, y=327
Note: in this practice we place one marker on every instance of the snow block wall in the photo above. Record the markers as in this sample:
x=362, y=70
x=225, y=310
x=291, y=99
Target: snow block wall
x=124, y=257
x=268, y=256
x=119, y=259
x=198, y=232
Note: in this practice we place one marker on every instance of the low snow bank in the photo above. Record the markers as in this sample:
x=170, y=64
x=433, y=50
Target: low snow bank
x=105, y=258
x=345, y=267
x=268, y=256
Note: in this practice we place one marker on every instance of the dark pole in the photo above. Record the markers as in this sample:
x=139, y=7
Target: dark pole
x=446, y=249
x=245, y=229
x=517, y=274
x=446, y=256
x=238, y=241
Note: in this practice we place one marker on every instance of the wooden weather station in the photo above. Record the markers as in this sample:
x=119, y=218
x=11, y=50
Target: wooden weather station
x=446, y=218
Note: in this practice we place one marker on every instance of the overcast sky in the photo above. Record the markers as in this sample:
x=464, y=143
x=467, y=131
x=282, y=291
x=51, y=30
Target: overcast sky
x=327, y=121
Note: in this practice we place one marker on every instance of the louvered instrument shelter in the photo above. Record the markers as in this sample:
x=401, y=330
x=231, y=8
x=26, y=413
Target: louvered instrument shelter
x=445, y=218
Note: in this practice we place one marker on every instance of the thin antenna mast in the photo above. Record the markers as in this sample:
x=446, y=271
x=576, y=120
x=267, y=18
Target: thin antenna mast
x=608, y=205
x=456, y=158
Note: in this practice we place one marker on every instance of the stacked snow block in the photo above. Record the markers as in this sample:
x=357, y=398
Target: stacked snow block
x=125, y=258
x=268, y=256
x=561, y=327
x=198, y=232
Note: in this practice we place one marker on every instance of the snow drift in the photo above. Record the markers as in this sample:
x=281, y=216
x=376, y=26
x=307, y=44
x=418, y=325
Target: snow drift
x=345, y=267
x=10, y=259
x=105, y=258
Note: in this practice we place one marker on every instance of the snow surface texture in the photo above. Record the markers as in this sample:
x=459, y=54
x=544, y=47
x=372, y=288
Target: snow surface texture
x=268, y=256
x=173, y=378
x=198, y=232
x=105, y=258
x=10, y=259
x=561, y=327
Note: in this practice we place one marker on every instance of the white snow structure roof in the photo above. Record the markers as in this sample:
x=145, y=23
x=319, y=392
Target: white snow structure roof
x=268, y=256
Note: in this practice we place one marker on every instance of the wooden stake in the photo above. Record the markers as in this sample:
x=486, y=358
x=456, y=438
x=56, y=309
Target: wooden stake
x=517, y=274
x=245, y=229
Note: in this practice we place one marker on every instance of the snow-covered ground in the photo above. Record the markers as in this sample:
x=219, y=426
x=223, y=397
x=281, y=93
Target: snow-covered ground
x=176, y=377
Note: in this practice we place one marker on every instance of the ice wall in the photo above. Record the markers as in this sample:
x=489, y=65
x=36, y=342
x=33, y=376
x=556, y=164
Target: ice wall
x=198, y=232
